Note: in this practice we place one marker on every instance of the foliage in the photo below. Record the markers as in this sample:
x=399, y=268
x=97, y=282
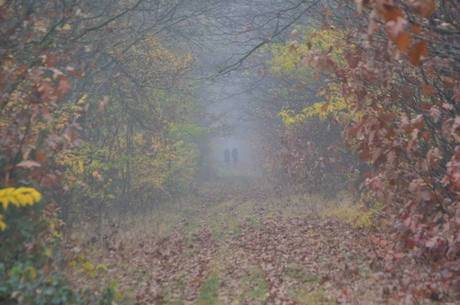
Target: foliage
x=31, y=257
x=358, y=215
x=19, y=197
x=401, y=90
x=311, y=156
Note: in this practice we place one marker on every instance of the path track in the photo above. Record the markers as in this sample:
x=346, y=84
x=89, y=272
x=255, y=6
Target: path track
x=237, y=245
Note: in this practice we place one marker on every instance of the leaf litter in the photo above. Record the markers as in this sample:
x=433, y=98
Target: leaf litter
x=243, y=247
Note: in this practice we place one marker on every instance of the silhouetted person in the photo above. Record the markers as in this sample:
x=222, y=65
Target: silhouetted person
x=235, y=155
x=227, y=156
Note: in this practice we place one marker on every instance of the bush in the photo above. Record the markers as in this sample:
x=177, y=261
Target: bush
x=31, y=259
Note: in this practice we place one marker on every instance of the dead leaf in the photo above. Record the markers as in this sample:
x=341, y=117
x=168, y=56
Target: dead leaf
x=417, y=51
x=28, y=164
x=105, y=101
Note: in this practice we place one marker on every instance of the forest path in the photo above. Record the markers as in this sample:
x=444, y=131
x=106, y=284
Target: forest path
x=235, y=244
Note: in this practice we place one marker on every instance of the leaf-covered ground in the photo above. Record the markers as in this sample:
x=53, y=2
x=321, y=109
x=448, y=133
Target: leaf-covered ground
x=235, y=243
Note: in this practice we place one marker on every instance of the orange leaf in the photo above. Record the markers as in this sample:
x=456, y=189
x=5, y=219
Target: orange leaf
x=324, y=107
x=416, y=29
x=403, y=41
x=417, y=51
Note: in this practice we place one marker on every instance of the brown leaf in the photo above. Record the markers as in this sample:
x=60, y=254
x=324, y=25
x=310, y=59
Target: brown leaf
x=359, y=6
x=324, y=107
x=105, y=101
x=417, y=51
x=416, y=29
x=403, y=41
x=428, y=90
x=391, y=12
x=40, y=156
x=426, y=8
x=396, y=27
x=294, y=33
x=73, y=72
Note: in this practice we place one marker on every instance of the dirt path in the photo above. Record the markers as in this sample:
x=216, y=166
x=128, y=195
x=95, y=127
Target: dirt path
x=236, y=244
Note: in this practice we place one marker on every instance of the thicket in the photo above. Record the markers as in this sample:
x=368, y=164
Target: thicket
x=390, y=73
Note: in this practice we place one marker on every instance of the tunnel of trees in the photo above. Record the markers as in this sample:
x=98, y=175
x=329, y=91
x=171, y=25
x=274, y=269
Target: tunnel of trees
x=113, y=111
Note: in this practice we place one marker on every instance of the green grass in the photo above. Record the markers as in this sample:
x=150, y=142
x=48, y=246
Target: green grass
x=223, y=226
x=258, y=288
x=296, y=271
x=209, y=291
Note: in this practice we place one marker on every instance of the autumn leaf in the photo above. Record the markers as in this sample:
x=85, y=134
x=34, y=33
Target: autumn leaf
x=391, y=13
x=428, y=90
x=40, y=156
x=359, y=6
x=403, y=41
x=417, y=51
x=103, y=103
x=395, y=27
x=294, y=33
x=74, y=72
x=426, y=8
x=64, y=86
x=416, y=29
x=28, y=164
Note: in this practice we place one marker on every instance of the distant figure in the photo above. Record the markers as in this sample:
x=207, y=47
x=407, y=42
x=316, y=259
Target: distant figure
x=227, y=156
x=235, y=155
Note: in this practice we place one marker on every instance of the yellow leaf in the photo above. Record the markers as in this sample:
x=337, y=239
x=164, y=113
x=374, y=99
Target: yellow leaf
x=2, y=224
x=35, y=194
x=88, y=267
x=25, y=199
x=66, y=27
x=11, y=198
x=80, y=166
x=5, y=202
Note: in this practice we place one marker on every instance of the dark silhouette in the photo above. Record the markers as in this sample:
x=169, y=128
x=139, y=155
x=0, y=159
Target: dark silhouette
x=235, y=155
x=227, y=156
